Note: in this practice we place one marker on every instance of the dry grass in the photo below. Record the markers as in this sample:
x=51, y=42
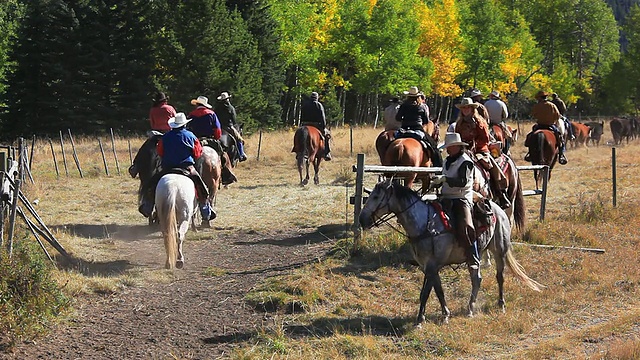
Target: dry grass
x=364, y=307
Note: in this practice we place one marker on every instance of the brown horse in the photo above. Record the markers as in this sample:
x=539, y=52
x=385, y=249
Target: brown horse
x=406, y=152
x=308, y=145
x=211, y=172
x=517, y=210
x=543, y=150
x=498, y=135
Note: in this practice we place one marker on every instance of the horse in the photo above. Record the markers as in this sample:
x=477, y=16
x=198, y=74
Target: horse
x=175, y=204
x=543, y=150
x=230, y=145
x=434, y=246
x=517, y=210
x=209, y=166
x=145, y=165
x=507, y=142
x=407, y=152
x=308, y=144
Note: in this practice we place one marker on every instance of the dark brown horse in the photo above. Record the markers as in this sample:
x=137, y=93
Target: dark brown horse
x=308, y=145
x=406, y=152
x=543, y=150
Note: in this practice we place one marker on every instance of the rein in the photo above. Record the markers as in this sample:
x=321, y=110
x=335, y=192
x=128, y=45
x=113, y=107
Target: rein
x=389, y=216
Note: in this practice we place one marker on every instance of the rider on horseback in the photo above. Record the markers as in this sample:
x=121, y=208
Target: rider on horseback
x=498, y=113
x=547, y=115
x=313, y=114
x=562, y=109
x=159, y=116
x=205, y=125
x=413, y=113
x=179, y=149
x=227, y=115
x=457, y=187
x=473, y=130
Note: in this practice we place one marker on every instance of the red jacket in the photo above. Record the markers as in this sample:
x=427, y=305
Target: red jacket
x=474, y=131
x=159, y=117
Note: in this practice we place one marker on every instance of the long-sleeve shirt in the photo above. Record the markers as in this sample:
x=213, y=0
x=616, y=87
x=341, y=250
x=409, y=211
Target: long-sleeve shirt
x=179, y=148
x=497, y=110
x=313, y=113
x=159, y=117
x=474, y=130
x=204, y=123
x=412, y=115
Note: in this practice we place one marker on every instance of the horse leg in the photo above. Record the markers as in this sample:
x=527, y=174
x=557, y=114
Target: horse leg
x=427, y=285
x=316, y=169
x=475, y=286
x=500, y=278
x=306, y=167
x=182, y=233
x=437, y=287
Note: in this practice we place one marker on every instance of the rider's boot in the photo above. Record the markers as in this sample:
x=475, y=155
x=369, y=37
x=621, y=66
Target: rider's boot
x=562, y=147
x=202, y=194
x=243, y=156
x=327, y=149
x=148, y=192
x=473, y=257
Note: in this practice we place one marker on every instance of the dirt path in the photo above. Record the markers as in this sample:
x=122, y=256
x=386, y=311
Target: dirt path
x=201, y=312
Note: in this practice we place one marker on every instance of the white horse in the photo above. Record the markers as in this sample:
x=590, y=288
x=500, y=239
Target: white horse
x=175, y=204
x=433, y=246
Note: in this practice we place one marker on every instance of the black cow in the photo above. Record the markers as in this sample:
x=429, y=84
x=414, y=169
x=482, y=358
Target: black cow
x=597, y=129
x=622, y=128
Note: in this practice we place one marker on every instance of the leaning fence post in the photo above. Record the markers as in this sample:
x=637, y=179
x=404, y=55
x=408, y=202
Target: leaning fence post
x=64, y=157
x=14, y=204
x=357, y=206
x=351, y=140
x=55, y=163
x=31, y=155
x=130, y=155
x=104, y=159
x=115, y=155
x=75, y=155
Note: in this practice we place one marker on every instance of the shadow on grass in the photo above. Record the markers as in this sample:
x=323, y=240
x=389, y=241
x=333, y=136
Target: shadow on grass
x=327, y=327
x=91, y=268
x=107, y=231
x=323, y=233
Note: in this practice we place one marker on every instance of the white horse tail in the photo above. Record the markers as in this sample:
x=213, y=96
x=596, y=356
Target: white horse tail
x=518, y=270
x=167, y=215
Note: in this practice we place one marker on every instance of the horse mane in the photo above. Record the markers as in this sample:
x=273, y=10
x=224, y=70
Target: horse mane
x=403, y=192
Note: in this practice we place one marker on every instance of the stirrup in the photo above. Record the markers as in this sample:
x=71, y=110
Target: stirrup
x=562, y=159
x=527, y=157
x=327, y=157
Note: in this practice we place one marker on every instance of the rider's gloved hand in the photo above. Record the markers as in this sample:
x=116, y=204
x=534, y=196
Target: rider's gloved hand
x=438, y=179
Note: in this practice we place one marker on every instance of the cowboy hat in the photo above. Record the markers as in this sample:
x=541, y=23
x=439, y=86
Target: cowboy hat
x=179, y=120
x=202, y=100
x=495, y=93
x=474, y=93
x=467, y=102
x=413, y=91
x=314, y=96
x=160, y=96
x=223, y=96
x=451, y=139
x=542, y=94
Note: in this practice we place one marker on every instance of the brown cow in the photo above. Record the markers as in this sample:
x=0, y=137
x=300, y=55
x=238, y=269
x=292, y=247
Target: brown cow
x=581, y=131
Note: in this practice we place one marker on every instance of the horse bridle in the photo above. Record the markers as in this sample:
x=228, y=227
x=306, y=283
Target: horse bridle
x=385, y=218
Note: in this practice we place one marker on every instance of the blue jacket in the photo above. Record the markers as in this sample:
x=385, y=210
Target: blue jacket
x=177, y=148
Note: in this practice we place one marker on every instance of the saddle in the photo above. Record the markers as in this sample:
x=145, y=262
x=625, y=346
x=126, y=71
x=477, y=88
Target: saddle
x=428, y=143
x=483, y=216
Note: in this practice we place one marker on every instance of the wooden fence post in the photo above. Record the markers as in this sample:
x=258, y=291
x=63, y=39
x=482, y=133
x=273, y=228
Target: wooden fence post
x=14, y=204
x=259, y=145
x=104, y=158
x=543, y=201
x=614, y=177
x=55, y=163
x=357, y=206
x=75, y=154
x=64, y=157
x=351, y=140
x=130, y=155
x=113, y=146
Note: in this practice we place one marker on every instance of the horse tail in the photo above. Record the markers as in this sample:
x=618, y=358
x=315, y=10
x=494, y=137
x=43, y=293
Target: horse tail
x=519, y=211
x=539, y=153
x=518, y=270
x=306, y=142
x=169, y=227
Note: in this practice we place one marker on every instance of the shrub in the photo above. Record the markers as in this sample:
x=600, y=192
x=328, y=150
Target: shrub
x=29, y=297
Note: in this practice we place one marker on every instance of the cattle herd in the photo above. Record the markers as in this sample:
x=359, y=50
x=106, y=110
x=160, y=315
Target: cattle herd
x=626, y=127
x=590, y=132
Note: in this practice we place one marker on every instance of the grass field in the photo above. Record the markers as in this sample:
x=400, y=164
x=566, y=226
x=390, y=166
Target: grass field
x=364, y=307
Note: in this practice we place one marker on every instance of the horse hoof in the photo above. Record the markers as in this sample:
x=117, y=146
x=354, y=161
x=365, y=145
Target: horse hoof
x=304, y=182
x=205, y=224
x=316, y=181
x=179, y=264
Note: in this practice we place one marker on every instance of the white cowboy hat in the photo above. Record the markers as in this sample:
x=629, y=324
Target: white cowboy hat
x=475, y=92
x=202, y=100
x=413, y=91
x=451, y=139
x=467, y=102
x=495, y=93
x=179, y=121
x=223, y=96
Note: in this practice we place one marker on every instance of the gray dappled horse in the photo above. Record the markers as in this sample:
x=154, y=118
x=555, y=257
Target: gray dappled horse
x=433, y=246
